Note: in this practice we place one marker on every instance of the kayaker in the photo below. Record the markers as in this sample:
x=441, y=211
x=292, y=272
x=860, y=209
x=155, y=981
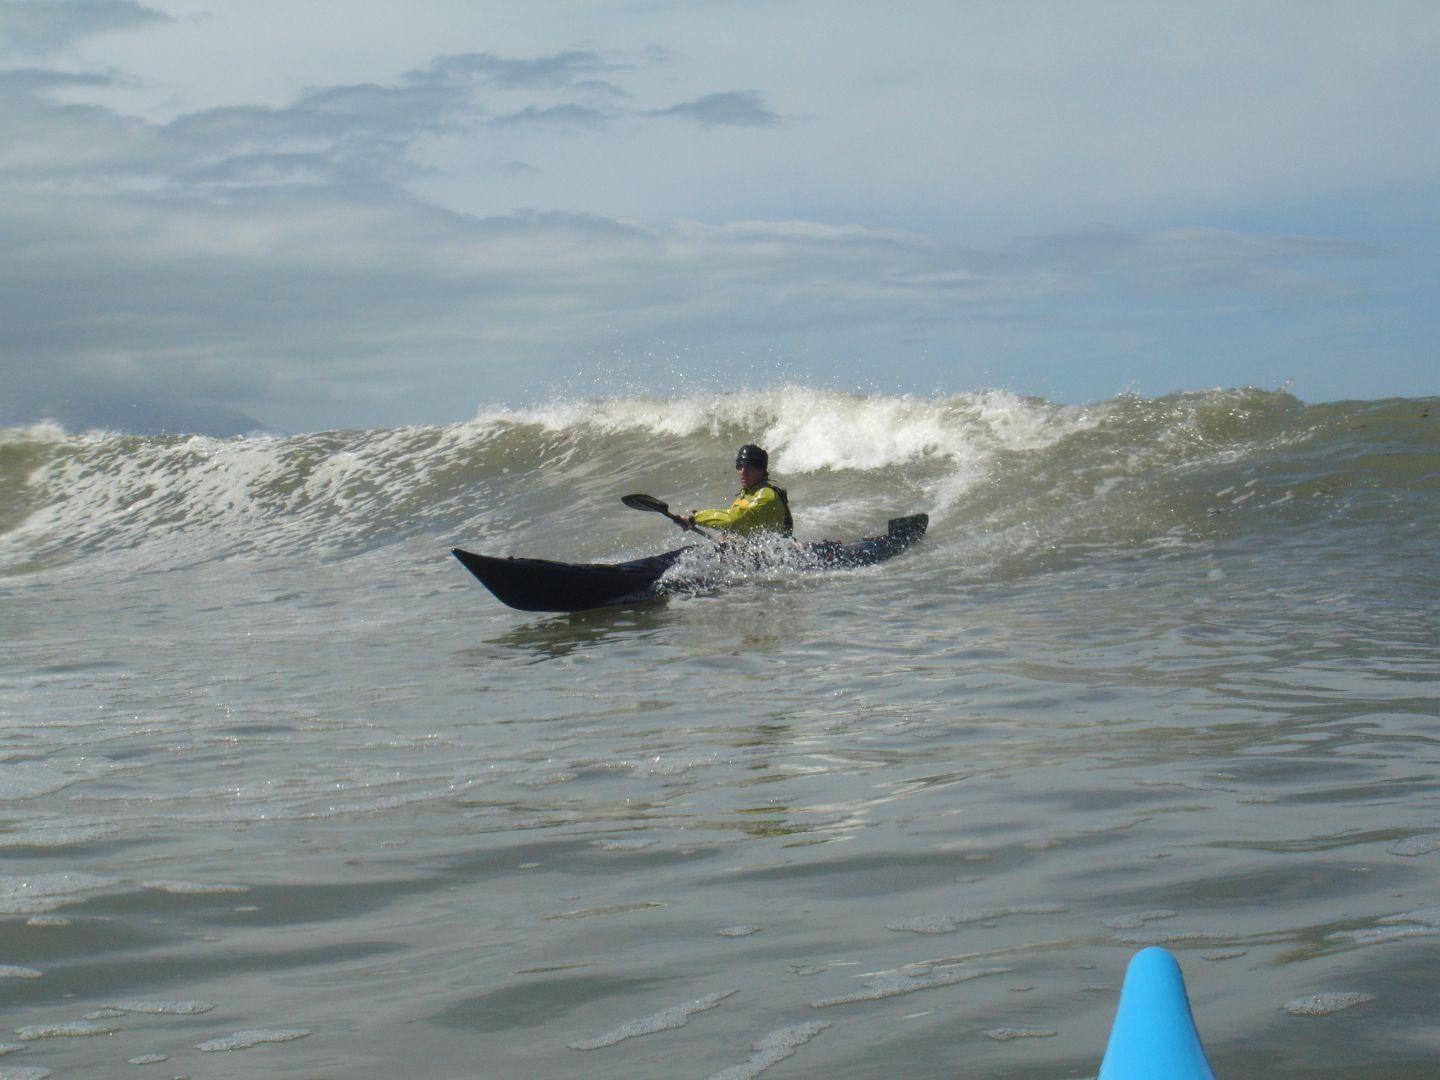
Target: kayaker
x=760, y=506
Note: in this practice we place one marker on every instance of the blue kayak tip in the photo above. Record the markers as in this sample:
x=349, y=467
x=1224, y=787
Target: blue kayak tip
x=1153, y=1036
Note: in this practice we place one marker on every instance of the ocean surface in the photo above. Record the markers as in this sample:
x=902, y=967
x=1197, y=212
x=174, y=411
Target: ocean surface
x=284, y=791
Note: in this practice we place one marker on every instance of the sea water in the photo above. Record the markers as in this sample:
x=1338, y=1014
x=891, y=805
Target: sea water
x=285, y=792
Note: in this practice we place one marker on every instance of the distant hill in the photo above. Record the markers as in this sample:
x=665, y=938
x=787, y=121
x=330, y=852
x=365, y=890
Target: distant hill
x=79, y=411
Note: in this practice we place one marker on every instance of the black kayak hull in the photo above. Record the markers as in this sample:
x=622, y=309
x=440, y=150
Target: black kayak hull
x=546, y=585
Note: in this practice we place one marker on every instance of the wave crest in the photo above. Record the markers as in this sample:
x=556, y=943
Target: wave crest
x=1002, y=464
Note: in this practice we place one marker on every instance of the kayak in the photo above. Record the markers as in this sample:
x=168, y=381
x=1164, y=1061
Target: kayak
x=545, y=585
x=1153, y=1036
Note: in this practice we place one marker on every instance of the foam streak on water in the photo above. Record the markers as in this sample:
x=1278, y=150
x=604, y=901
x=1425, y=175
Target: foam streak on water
x=1164, y=670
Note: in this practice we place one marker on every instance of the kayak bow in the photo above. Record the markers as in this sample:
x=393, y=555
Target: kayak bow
x=546, y=585
x=1153, y=1036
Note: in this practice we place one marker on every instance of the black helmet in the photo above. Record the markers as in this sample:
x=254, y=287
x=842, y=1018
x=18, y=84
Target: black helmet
x=752, y=455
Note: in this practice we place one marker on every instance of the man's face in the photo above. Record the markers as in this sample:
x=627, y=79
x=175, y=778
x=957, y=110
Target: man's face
x=749, y=475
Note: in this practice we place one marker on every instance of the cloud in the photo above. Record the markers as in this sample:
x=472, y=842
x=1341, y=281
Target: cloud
x=28, y=26
x=571, y=69
x=284, y=259
x=1193, y=260
x=308, y=306
x=349, y=135
x=36, y=81
x=741, y=108
x=556, y=116
x=46, y=141
x=339, y=135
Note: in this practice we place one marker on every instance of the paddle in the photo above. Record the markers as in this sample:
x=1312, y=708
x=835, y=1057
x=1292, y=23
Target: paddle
x=649, y=502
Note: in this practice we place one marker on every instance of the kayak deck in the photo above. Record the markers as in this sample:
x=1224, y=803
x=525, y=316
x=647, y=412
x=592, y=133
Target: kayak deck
x=547, y=585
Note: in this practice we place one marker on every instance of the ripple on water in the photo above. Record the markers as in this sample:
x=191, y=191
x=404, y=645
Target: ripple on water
x=14, y=971
x=1137, y=919
x=948, y=924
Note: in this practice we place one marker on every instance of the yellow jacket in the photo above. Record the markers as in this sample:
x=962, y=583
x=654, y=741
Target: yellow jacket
x=756, y=509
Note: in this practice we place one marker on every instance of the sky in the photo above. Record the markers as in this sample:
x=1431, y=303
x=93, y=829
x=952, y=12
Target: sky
x=346, y=213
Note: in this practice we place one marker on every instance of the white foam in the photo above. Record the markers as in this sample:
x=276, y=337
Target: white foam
x=623, y=845
x=1425, y=916
x=1377, y=936
x=164, y=1008
x=1325, y=1004
x=1225, y=954
x=193, y=888
x=266, y=492
x=544, y=780
x=774, y=1047
x=1415, y=845
x=72, y=1030
x=665, y=1020
x=148, y=1059
x=39, y=431
x=1167, y=937
x=25, y=1072
x=1005, y=1034
x=608, y=909
x=243, y=1040
x=738, y=931
x=55, y=834
x=1137, y=919
x=810, y=430
x=38, y=893
x=14, y=971
x=896, y=983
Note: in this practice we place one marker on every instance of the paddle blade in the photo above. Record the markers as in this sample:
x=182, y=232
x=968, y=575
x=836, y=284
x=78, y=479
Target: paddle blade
x=908, y=528
x=645, y=502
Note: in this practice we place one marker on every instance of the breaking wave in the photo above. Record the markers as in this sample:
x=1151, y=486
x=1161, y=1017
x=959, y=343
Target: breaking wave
x=1004, y=472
